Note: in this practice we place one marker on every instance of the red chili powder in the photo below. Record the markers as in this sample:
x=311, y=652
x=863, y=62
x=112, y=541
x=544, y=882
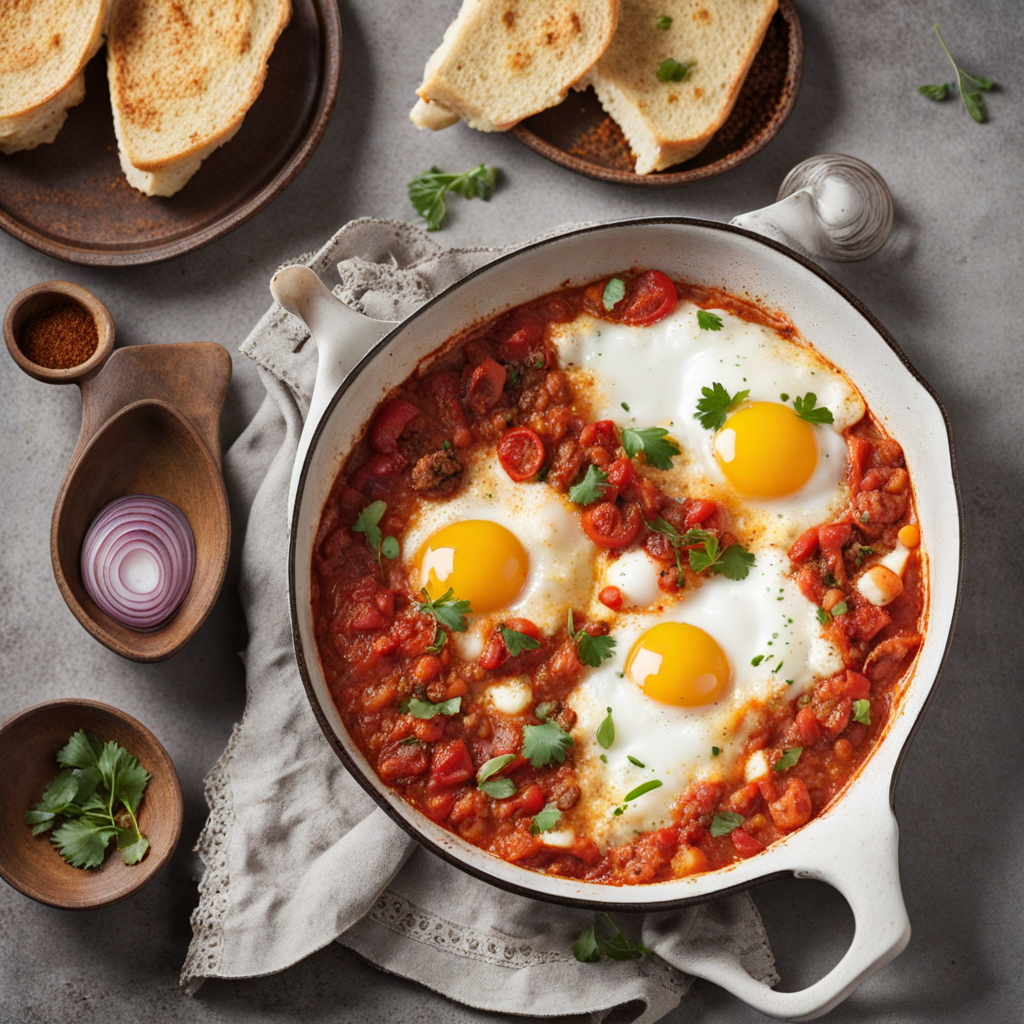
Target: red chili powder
x=60, y=337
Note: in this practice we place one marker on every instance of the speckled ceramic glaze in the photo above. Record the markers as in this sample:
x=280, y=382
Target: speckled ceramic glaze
x=853, y=844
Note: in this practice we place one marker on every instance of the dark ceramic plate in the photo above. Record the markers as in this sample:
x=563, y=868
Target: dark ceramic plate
x=579, y=135
x=70, y=200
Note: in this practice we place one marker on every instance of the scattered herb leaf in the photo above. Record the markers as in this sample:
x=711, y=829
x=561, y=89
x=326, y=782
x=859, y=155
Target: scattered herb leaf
x=805, y=409
x=671, y=70
x=516, y=642
x=733, y=562
x=632, y=760
x=498, y=789
x=590, y=488
x=545, y=744
x=614, y=292
x=591, y=650
x=724, y=822
x=935, y=92
x=446, y=610
x=427, y=190
x=755, y=661
x=708, y=321
x=788, y=759
x=823, y=616
x=664, y=22
x=545, y=821
x=971, y=87
x=366, y=524
x=492, y=767
x=862, y=711
x=542, y=711
x=644, y=787
x=841, y=608
x=424, y=709
x=715, y=751
x=606, y=731
x=716, y=404
x=654, y=442
x=603, y=937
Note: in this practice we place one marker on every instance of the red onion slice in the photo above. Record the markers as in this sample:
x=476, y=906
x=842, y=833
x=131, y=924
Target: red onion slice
x=138, y=558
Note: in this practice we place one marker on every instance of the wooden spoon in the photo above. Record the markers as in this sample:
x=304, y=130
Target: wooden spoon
x=150, y=425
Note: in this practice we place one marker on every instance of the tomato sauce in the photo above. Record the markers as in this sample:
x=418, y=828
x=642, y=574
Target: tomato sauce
x=498, y=384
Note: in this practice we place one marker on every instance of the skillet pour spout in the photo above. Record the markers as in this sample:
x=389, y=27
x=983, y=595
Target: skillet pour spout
x=853, y=844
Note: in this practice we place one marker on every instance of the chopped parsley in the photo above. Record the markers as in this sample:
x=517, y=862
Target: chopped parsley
x=624, y=406
x=733, y=562
x=823, y=616
x=654, y=442
x=644, y=787
x=516, y=642
x=708, y=321
x=446, y=610
x=806, y=410
x=545, y=821
x=606, y=730
x=715, y=751
x=591, y=650
x=424, y=709
x=862, y=711
x=664, y=22
x=716, y=404
x=542, y=711
x=841, y=608
x=366, y=524
x=788, y=759
x=545, y=744
x=724, y=822
x=755, y=661
x=614, y=291
x=673, y=71
x=632, y=760
x=590, y=488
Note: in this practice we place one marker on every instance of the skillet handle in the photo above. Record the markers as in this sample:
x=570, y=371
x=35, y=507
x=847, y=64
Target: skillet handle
x=829, y=207
x=342, y=337
x=856, y=853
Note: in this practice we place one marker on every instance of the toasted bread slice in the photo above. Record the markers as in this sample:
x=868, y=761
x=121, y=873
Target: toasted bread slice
x=668, y=122
x=503, y=60
x=44, y=48
x=182, y=75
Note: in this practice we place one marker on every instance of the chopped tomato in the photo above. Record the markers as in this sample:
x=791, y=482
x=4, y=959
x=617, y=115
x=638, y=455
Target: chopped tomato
x=379, y=468
x=745, y=844
x=858, y=454
x=804, y=546
x=524, y=804
x=521, y=453
x=793, y=808
x=427, y=668
x=556, y=310
x=389, y=424
x=524, y=332
x=606, y=525
x=403, y=762
x=621, y=473
x=697, y=510
x=485, y=386
x=807, y=728
x=649, y=298
x=439, y=804
x=602, y=432
x=611, y=597
x=450, y=765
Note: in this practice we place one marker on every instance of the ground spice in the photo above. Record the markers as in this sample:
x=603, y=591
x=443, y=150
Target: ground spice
x=605, y=144
x=60, y=337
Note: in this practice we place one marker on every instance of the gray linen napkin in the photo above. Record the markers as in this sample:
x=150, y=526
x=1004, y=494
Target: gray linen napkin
x=296, y=854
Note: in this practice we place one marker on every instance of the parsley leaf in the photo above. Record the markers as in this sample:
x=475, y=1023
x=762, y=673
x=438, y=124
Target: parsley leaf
x=724, y=822
x=733, y=563
x=498, y=789
x=823, y=616
x=708, y=321
x=446, y=610
x=591, y=650
x=545, y=821
x=606, y=731
x=862, y=711
x=366, y=524
x=788, y=759
x=655, y=443
x=971, y=87
x=590, y=488
x=716, y=404
x=614, y=292
x=427, y=190
x=93, y=801
x=673, y=71
x=516, y=642
x=806, y=411
x=603, y=937
x=545, y=744
x=664, y=22
x=424, y=709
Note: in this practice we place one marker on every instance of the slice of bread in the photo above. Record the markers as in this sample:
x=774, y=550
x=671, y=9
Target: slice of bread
x=182, y=76
x=503, y=60
x=44, y=47
x=666, y=123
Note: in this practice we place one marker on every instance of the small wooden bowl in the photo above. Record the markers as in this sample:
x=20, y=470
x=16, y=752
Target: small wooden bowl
x=44, y=296
x=29, y=742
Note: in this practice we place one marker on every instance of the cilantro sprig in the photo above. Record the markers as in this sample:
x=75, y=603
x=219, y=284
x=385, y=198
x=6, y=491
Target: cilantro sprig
x=496, y=788
x=654, y=442
x=705, y=552
x=427, y=190
x=788, y=759
x=424, y=709
x=603, y=938
x=591, y=650
x=715, y=405
x=545, y=821
x=590, y=488
x=970, y=87
x=516, y=642
x=708, y=321
x=93, y=801
x=366, y=524
x=805, y=409
x=545, y=744
x=446, y=610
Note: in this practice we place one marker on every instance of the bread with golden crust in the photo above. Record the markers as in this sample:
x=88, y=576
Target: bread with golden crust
x=182, y=76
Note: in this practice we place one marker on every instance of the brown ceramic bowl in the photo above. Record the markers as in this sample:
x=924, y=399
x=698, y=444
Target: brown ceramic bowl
x=578, y=135
x=29, y=742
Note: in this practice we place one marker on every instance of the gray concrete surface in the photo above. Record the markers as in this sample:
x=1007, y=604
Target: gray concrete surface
x=948, y=286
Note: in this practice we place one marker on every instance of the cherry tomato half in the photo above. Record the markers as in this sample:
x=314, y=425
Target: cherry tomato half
x=521, y=453
x=606, y=525
x=651, y=297
x=485, y=386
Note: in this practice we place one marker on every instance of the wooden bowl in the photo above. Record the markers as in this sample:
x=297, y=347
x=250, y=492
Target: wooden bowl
x=579, y=135
x=150, y=425
x=29, y=742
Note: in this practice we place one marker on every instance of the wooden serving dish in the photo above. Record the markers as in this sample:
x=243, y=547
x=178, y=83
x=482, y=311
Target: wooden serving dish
x=29, y=742
x=150, y=425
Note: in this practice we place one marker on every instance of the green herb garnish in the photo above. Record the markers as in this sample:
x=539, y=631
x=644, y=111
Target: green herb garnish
x=590, y=488
x=644, y=787
x=446, y=610
x=733, y=562
x=862, y=711
x=606, y=731
x=715, y=405
x=654, y=442
x=366, y=524
x=708, y=321
x=788, y=759
x=632, y=760
x=516, y=642
x=664, y=22
x=545, y=821
x=542, y=710
x=840, y=608
x=614, y=291
x=806, y=410
x=545, y=744
x=424, y=709
x=427, y=190
x=591, y=650
x=755, y=661
x=724, y=822
x=603, y=937
x=715, y=751
x=970, y=86
x=92, y=802
x=673, y=71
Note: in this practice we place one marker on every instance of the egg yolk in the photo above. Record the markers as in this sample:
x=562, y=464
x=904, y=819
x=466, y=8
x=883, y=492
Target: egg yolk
x=481, y=561
x=766, y=451
x=678, y=664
